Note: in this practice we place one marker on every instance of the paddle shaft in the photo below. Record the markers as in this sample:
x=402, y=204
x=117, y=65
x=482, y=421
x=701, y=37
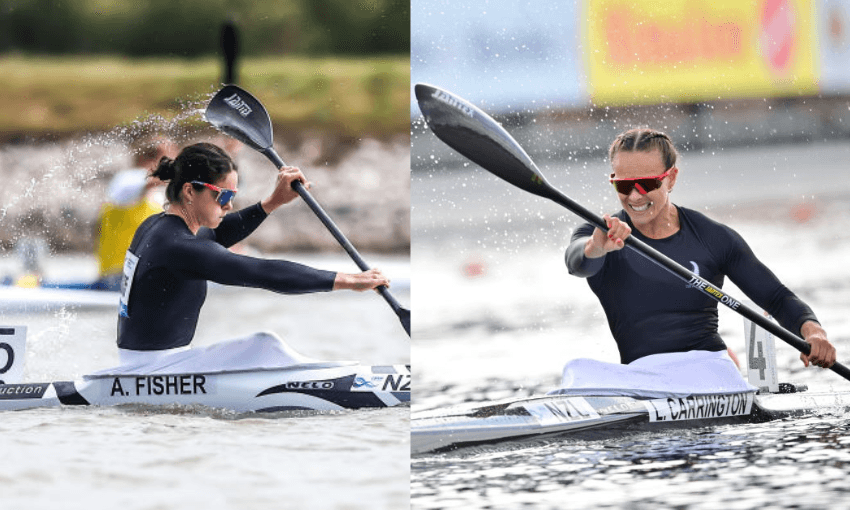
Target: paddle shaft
x=692, y=279
x=237, y=113
x=334, y=230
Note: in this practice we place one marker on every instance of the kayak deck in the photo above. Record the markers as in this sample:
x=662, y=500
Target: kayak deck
x=584, y=416
x=320, y=388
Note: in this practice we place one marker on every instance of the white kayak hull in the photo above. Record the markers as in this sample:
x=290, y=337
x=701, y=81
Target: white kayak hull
x=565, y=414
x=315, y=387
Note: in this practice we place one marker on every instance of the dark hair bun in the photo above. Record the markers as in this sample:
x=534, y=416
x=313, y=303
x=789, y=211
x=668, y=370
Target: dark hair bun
x=165, y=170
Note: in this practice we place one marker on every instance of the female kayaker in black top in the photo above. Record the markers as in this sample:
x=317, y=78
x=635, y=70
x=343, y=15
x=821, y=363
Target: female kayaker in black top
x=175, y=253
x=650, y=311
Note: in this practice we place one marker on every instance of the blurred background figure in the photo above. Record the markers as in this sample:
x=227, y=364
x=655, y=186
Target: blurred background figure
x=230, y=45
x=133, y=196
x=30, y=249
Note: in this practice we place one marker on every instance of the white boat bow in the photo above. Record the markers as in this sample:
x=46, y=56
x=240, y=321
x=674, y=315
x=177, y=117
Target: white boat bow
x=317, y=387
x=562, y=414
x=259, y=373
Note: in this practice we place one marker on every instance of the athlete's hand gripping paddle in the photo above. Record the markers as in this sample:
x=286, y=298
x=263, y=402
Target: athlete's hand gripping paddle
x=240, y=115
x=474, y=134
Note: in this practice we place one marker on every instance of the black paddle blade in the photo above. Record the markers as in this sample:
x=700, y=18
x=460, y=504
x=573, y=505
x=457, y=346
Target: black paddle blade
x=237, y=113
x=474, y=134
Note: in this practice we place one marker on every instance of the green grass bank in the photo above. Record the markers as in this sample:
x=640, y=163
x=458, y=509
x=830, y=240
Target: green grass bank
x=56, y=97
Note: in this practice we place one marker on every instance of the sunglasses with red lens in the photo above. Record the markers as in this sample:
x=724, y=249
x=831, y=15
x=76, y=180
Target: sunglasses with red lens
x=223, y=196
x=643, y=184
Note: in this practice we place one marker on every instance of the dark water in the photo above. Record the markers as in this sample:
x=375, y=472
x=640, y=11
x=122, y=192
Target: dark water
x=795, y=463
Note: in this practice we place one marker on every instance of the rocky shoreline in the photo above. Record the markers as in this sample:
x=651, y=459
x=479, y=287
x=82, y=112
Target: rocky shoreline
x=54, y=190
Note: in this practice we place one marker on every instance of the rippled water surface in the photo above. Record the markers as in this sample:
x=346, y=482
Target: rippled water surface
x=728, y=467
x=147, y=458
x=498, y=316
x=804, y=460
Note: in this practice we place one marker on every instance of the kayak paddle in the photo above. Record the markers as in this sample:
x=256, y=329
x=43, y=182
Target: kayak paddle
x=475, y=135
x=240, y=115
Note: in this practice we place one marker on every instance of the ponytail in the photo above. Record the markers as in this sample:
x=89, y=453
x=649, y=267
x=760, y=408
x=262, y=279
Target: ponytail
x=165, y=169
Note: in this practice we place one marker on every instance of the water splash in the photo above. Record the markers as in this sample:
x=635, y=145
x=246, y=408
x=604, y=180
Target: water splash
x=65, y=181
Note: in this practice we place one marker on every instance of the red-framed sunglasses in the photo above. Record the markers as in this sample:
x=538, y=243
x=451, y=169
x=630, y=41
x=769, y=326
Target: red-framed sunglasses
x=223, y=195
x=643, y=184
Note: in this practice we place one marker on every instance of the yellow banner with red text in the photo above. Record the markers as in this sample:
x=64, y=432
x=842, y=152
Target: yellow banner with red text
x=645, y=51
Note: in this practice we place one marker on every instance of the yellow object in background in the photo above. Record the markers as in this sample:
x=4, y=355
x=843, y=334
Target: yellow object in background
x=647, y=52
x=28, y=281
x=117, y=226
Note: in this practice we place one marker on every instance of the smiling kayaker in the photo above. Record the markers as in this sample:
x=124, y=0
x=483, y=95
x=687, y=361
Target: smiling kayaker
x=175, y=253
x=651, y=312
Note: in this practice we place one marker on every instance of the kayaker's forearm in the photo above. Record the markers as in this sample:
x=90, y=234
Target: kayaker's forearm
x=578, y=263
